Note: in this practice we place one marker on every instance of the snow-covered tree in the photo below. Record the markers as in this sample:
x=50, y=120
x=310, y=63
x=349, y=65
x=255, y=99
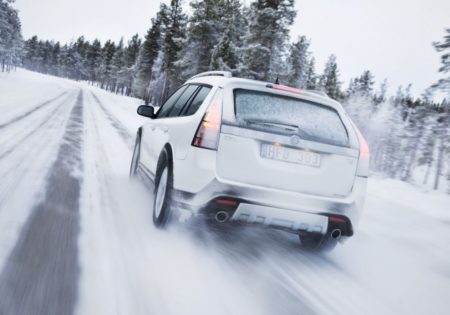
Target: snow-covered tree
x=444, y=46
x=311, y=77
x=380, y=96
x=225, y=55
x=11, y=43
x=299, y=63
x=146, y=59
x=130, y=58
x=204, y=32
x=117, y=67
x=362, y=85
x=329, y=80
x=93, y=60
x=173, y=22
x=265, y=44
x=106, y=73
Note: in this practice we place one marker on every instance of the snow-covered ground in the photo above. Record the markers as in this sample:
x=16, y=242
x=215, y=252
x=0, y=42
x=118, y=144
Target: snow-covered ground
x=76, y=235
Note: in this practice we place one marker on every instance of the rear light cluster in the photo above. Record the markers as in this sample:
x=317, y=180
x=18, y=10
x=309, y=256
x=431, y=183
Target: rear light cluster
x=207, y=135
x=364, y=154
x=364, y=151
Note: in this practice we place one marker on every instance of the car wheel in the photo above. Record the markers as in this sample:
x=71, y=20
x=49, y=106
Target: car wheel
x=136, y=156
x=163, y=191
x=318, y=242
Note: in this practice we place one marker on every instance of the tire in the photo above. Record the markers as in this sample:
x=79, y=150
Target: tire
x=136, y=157
x=318, y=242
x=162, y=196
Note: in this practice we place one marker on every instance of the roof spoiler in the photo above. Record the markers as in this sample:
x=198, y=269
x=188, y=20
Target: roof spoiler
x=226, y=74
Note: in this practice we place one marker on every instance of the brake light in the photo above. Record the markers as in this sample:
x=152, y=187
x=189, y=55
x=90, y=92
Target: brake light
x=207, y=135
x=364, y=154
x=364, y=151
x=284, y=88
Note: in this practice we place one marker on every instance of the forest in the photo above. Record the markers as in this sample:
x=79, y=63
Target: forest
x=408, y=136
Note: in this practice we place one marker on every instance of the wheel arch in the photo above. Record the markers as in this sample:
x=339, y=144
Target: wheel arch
x=167, y=149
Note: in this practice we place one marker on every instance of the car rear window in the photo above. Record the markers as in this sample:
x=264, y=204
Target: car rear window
x=288, y=115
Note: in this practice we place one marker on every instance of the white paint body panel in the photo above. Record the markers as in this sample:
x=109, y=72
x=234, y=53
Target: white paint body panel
x=292, y=193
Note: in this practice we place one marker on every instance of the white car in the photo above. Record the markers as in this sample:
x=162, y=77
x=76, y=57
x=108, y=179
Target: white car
x=238, y=150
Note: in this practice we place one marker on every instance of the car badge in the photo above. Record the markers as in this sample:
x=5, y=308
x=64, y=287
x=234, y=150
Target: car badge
x=295, y=140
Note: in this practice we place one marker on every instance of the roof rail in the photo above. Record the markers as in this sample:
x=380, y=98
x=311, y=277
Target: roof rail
x=226, y=74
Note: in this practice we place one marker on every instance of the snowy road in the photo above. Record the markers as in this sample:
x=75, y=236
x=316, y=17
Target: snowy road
x=76, y=236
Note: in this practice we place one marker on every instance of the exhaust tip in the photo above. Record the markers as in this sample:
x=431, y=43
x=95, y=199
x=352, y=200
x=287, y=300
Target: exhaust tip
x=222, y=216
x=336, y=233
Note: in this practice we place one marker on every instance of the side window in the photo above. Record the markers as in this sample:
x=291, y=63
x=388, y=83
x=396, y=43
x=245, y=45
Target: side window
x=167, y=106
x=197, y=101
x=182, y=101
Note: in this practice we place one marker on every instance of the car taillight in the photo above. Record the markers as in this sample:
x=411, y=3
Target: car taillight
x=364, y=154
x=364, y=151
x=208, y=131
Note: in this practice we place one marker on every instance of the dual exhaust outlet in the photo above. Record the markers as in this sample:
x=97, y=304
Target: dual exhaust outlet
x=222, y=216
x=336, y=234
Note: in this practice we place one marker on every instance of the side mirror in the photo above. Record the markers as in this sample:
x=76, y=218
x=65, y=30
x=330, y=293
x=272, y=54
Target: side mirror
x=146, y=111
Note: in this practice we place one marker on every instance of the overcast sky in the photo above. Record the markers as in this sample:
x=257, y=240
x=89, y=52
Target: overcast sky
x=392, y=38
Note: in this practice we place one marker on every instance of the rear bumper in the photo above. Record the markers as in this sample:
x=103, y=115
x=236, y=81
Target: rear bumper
x=277, y=208
x=281, y=218
x=196, y=184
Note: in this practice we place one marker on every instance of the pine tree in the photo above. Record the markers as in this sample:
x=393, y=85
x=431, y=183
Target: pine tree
x=311, y=78
x=146, y=59
x=204, y=32
x=444, y=46
x=362, y=85
x=442, y=130
x=299, y=63
x=31, y=53
x=106, y=73
x=55, y=51
x=225, y=55
x=174, y=25
x=264, y=51
x=93, y=60
x=380, y=96
x=130, y=58
x=117, y=68
x=79, y=67
x=329, y=81
x=11, y=43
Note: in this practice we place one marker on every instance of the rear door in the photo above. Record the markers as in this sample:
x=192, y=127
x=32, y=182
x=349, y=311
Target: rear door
x=175, y=123
x=153, y=131
x=287, y=143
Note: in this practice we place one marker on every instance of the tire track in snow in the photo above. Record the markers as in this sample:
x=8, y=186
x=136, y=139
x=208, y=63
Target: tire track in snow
x=26, y=114
x=22, y=161
x=41, y=274
x=31, y=133
x=124, y=133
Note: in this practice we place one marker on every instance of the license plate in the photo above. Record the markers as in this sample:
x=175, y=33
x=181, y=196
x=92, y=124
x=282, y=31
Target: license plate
x=280, y=153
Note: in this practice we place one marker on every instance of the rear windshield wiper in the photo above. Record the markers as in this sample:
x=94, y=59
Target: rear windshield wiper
x=276, y=124
x=290, y=128
x=284, y=126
